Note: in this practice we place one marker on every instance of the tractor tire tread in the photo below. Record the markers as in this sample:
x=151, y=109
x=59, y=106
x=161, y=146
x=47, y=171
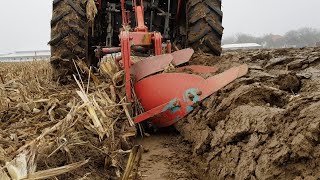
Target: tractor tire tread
x=205, y=25
x=77, y=8
x=55, y=2
x=57, y=18
x=55, y=40
x=68, y=37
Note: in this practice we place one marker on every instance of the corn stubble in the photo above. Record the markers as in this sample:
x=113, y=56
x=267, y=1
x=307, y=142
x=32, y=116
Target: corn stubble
x=49, y=130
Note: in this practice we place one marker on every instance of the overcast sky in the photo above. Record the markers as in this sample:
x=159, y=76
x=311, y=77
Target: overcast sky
x=259, y=17
x=25, y=24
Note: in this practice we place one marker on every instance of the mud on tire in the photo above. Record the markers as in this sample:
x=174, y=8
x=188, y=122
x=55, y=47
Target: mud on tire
x=68, y=36
x=205, y=25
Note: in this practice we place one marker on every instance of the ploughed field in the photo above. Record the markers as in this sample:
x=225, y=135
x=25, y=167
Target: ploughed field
x=265, y=125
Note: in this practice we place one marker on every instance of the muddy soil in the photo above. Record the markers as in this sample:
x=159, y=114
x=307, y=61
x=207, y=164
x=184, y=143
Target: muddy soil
x=165, y=157
x=263, y=126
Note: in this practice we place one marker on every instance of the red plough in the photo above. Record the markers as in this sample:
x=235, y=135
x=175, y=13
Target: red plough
x=166, y=97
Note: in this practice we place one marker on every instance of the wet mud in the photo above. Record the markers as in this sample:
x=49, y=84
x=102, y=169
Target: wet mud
x=263, y=126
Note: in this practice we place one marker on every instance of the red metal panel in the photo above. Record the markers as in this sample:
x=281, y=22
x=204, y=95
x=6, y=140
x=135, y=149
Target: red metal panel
x=141, y=27
x=182, y=56
x=150, y=65
x=157, y=38
x=155, y=64
x=125, y=19
x=125, y=52
x=223, y=79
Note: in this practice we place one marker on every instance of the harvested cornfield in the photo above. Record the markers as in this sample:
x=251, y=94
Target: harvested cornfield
x=55, y=129
x=262, y=126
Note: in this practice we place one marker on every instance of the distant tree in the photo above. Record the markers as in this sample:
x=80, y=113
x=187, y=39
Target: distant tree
x=295, y=38
x=273, y=41
x=302, y=37
x=240, y=38
x=245, y=38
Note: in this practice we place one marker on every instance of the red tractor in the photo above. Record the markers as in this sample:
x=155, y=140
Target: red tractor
x=157, y=29
x=185, y=23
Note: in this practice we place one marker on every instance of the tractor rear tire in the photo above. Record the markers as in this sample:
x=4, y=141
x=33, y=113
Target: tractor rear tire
x=205, y=25
x=68, y=37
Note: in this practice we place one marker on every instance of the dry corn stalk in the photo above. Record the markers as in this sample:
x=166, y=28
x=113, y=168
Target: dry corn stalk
x=18, y=167
x=56, y=171
x=91, y=11
x=97, y=124
x=42, y=114
x=109, y=67
x=82, y=65
x=3, y=174
x=134, y=159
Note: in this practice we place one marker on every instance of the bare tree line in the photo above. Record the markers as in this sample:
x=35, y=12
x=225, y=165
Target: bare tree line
x=302, y=37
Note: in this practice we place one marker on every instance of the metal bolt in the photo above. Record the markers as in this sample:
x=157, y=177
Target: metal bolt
x=191, y=96
x=176, y=104
x=199, y=93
